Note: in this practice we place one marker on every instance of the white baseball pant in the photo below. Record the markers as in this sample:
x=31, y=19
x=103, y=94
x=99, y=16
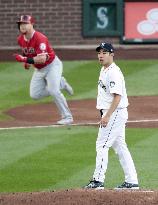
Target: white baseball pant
x=113, y=135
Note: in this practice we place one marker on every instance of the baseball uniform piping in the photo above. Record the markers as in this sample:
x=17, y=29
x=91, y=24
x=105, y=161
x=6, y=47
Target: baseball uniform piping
x=107, y=141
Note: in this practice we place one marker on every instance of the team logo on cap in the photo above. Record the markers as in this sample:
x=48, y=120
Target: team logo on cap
x=112, y=84
x=42, y=46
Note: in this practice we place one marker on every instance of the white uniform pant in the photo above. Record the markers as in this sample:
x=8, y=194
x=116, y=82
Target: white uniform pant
x=113, y=135
x=48, y=81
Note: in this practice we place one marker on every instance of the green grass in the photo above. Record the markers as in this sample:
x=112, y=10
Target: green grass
x=140, y=76
x=50, y=158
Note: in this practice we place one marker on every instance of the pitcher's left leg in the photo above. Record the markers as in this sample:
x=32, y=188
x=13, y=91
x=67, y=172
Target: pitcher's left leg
x=125, y=159
x=124, y=155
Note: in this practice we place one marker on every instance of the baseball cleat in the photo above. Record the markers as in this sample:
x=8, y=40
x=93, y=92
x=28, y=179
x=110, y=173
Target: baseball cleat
x=95, y=185
x=65, y=121
x=126, y=185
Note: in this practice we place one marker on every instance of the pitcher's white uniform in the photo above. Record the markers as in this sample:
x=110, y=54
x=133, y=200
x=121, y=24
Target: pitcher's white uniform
x=111, y=81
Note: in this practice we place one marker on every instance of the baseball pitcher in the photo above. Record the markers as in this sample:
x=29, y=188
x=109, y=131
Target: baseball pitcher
x=112, y=103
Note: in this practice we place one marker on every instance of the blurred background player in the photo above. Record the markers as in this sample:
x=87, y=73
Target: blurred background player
x=47, y=78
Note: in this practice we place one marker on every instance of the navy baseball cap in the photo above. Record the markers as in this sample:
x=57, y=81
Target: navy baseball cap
x=106, y=47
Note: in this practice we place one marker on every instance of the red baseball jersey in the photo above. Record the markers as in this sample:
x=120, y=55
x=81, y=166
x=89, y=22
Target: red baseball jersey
x=36, y=45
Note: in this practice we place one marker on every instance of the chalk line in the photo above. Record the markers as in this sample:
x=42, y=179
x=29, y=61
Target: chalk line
x=74, y=124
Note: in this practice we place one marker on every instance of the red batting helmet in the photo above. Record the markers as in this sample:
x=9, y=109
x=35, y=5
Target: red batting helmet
x=26, y=19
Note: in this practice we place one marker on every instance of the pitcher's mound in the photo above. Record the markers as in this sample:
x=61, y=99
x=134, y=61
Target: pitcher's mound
x=82, y=197
x=143, y=112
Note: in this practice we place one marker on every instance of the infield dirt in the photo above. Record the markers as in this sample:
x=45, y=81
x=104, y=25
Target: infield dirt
x=81, y=197
x=143, y=112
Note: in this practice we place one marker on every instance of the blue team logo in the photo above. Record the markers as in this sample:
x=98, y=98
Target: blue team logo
x=112, y=84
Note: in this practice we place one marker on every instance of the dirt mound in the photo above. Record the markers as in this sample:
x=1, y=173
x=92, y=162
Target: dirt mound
x=81, y=197
x=143, y=112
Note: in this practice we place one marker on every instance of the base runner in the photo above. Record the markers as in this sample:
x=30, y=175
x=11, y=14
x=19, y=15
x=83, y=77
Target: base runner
x=47, y=78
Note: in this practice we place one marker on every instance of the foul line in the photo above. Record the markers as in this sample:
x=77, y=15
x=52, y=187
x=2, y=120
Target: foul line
x=154, y=120
x=74, y=124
